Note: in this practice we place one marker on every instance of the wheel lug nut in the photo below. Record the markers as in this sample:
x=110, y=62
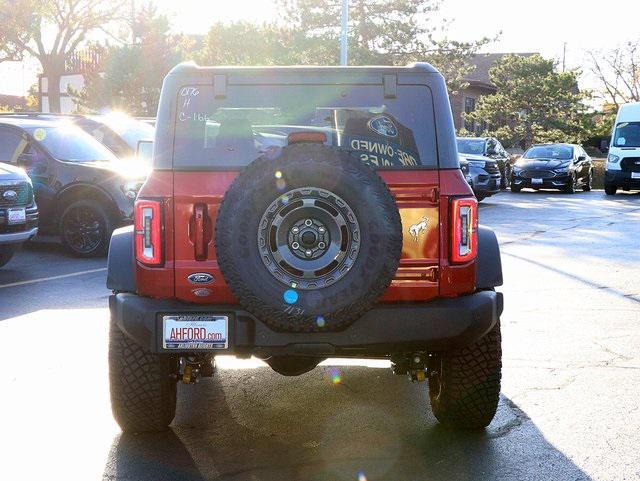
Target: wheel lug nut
x=321, y=245
x=308, y=253
x=295, y=245
x=308, y=222
x=295, y=230
x=321, y=230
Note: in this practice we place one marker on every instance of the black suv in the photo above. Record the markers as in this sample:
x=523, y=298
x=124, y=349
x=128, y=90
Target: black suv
x=82, y=189
x=18, y=211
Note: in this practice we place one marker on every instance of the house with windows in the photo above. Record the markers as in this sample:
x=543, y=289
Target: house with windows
x=479, y=84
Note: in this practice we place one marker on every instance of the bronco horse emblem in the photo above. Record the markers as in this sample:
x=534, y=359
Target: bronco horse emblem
x=416, y=229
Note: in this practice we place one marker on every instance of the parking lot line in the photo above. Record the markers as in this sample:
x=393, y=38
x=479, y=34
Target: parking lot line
x=53, y=278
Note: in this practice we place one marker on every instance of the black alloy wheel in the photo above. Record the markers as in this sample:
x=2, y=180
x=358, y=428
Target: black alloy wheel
x=309, y=238
x=85, y=229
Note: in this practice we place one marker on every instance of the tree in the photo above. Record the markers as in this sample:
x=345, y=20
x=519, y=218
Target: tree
x=533, y=103
x=26, y=24
x=383, y=32
x=132, y=74
x=618, y=71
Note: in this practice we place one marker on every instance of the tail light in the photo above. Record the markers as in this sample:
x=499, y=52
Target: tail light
x=148, y=230
x=464, y=230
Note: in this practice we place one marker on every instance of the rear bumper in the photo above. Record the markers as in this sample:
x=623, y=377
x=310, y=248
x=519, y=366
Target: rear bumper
x=386, y=329
x=622, y=179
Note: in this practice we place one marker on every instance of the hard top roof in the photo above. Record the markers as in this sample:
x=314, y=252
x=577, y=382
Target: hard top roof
x=192, y=68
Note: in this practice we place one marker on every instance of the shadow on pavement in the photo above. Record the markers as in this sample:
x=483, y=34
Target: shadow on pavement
x=256, y=425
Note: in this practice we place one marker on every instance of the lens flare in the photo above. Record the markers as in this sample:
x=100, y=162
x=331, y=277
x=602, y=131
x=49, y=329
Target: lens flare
x=361, y=476
x=281, y=184
x=290, y=296
x=320, y=322
x=335, y=376
x=278, y=174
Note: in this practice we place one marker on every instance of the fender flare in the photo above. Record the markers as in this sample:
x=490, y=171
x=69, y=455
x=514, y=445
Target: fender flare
x=489, y=263
x=121, y=275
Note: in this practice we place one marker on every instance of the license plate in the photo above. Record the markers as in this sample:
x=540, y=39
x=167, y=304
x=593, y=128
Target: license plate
x=536, y=181
x=635, y=175
x=16, y=216
x=195, y=331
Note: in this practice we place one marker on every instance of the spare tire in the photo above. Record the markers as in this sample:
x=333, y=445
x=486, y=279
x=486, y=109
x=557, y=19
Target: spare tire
x=309, y=239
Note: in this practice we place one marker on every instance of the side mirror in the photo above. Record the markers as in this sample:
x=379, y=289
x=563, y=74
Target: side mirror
x=144, y=150
x=582, y=158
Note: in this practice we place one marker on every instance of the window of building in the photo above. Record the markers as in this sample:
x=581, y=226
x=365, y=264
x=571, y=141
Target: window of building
x=469, y=106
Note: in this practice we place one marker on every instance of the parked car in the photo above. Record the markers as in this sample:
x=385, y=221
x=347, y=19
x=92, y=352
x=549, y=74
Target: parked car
x=566, y=167
x=18, y=210
x=119, y=132
x=347, y=231
x=83, y=191
x=488, y=148
x=482, y=174
x=623, y=161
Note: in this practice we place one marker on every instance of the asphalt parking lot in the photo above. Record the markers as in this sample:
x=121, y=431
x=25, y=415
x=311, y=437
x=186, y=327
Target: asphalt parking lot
x=571, y=382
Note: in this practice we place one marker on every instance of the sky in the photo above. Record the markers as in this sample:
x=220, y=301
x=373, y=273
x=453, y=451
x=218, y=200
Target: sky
x=542, y=26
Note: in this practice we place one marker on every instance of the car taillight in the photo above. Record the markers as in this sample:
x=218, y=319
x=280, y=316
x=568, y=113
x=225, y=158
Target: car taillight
x=148, y=232
x=464, y=230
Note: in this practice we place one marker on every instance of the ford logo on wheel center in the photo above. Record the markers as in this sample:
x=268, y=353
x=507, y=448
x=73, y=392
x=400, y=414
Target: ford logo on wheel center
x=201, y=278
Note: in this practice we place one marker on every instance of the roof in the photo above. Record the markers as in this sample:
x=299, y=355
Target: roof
x=483, y=62
x=192, y=67
x=12, y=101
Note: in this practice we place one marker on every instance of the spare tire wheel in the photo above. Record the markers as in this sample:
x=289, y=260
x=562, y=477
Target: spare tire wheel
x=309, y=240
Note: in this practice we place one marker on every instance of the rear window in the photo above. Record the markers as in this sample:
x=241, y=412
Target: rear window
x=258, y=119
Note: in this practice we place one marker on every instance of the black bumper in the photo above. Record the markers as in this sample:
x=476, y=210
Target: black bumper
x=441, y=324
x=485, y=184
x=621, y=179
x=559, y=182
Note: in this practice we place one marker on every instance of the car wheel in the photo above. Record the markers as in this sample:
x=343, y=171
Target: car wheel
x=142, y=384
x=313, y=250
x=6, y=254
x=480, y=197
x=571, y=186
x=587, y=183
x=515, y=188
x=293, y=365
x=610, y=189
x=85, y=229
x=464, y=385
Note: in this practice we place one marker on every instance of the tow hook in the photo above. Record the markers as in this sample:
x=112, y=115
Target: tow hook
x=413, y=365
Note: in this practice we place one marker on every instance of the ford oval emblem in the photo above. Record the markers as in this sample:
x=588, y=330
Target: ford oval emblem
x=201, y=278
x=10, y=195
x=383, y=125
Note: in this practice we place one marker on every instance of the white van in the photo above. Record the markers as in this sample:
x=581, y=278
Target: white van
x=623, y=161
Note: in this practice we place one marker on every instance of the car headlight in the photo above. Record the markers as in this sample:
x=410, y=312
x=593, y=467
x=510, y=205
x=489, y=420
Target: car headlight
x=131, y=187
x=477, y=163
x=614, y=159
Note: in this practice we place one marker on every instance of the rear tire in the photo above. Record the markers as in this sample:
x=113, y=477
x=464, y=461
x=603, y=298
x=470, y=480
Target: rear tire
x=515, y=188
x=587, y=183
x=610, y=189
x=85, y=229
x=464, y=385
x=143, y=385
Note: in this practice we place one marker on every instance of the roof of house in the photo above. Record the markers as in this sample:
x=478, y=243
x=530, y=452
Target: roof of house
x=483, y=62
x=12, y=101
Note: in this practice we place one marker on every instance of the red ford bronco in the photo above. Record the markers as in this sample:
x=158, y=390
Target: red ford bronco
x=295, y=214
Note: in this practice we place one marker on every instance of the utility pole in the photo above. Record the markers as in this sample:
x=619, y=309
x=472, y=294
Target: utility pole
x=564, y=56
x=344, y=30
